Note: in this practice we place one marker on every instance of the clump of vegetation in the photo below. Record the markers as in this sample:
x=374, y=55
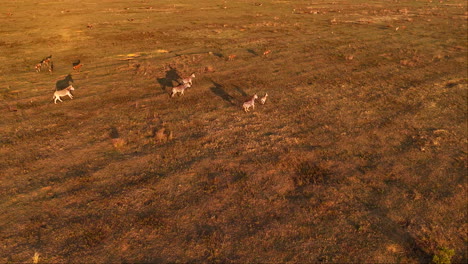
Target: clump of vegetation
x=239, y=175
x=444, y=256
x=310, y=173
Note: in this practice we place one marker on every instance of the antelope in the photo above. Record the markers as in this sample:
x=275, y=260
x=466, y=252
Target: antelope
x=188, y=80
x=64, y=92
x=38, y=67
x=250, y=103
x=51, y=66
x=263, y=99
x=47, y=60
x=180, y=89
x=77, y=65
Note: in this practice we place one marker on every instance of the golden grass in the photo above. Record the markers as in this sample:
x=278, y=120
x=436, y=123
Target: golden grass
x=359, y=154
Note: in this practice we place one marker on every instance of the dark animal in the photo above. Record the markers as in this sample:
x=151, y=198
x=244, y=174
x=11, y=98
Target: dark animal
x=62, y=84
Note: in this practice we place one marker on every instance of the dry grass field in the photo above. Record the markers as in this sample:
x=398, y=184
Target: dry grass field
x=358, y=156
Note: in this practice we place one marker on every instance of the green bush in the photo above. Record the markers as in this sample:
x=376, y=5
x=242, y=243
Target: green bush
x=444, y=256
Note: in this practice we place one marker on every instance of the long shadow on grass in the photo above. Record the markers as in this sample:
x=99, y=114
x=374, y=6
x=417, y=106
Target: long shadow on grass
x=240, y=90
x=396, y=232
x=218, y=90
x=171, y=75
x=252, y=52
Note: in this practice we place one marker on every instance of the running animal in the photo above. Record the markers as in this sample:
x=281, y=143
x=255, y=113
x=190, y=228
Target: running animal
x=47, y=60
x=188, y=79
x=263, y=99
x=250, y=103
x=38, y=67
x=62, y=93
x=44, y=62
x=77, y=65
x=51, y=66
x=179, y=89
x=62, y=84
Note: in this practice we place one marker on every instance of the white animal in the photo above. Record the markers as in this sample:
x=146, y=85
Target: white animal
x=263, y=99
x=179, y=89
x=38, y=67
x=62, y=93
x=188, y=79
x=250, y=103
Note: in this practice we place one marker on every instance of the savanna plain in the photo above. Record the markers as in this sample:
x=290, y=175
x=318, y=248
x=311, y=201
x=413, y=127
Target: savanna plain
x=359, y=154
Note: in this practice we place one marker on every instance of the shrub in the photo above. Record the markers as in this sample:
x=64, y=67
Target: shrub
x=444, y=256
x=309, y=172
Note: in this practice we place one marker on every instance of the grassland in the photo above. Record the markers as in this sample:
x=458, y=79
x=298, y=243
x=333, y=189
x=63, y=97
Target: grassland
x=358, y=156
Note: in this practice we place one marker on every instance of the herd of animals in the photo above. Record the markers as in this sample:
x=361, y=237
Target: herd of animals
x=63, y=87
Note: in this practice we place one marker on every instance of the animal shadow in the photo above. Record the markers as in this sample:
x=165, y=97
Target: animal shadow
x=62, y=84
x=217, y=54
x=218, y=90
x=171, y=75
x=252, y=52
x=242, y=92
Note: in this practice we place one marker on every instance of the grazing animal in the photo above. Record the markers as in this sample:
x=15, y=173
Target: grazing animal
x=266, y=52
x=77, y=65
x=180, y=89
x=250, y=103
x=263, y=99
x=62, y=93
x=188, y=79
x=232, y=57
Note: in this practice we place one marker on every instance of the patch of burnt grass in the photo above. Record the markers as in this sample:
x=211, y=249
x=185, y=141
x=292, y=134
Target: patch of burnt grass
x=311, y=173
